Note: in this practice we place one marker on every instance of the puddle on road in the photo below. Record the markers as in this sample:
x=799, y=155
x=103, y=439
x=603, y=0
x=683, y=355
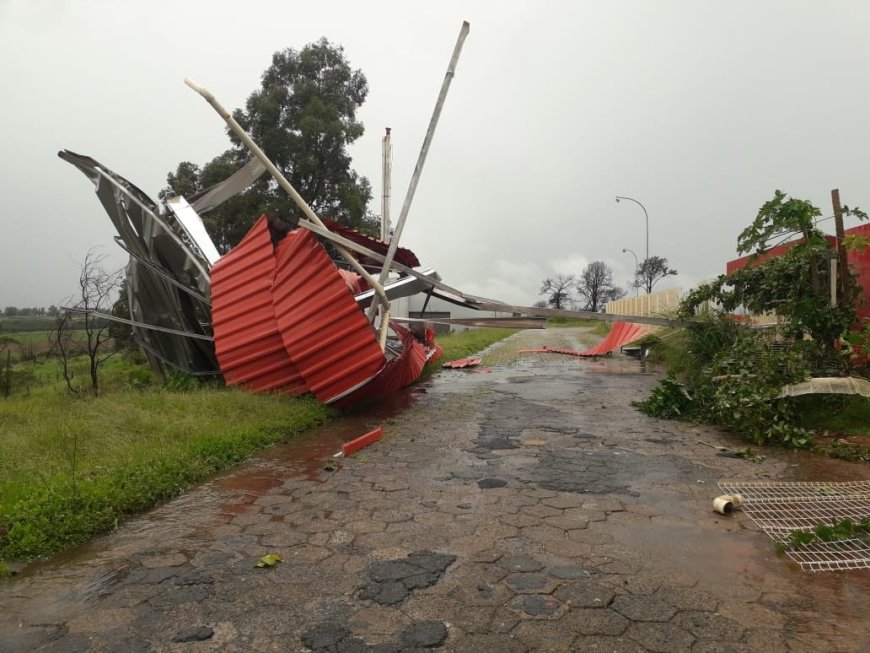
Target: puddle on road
x=738, y=562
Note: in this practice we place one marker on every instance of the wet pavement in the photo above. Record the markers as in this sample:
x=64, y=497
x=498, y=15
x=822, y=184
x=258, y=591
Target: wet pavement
x=521, y=506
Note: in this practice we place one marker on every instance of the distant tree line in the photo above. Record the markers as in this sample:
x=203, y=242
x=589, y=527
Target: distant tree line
x=594, y=287
x=14, y=311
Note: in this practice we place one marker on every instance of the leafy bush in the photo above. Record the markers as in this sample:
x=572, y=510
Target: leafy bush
x=731, y=376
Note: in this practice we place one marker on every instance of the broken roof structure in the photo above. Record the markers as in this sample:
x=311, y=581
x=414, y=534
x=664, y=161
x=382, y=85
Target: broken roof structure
x=277, y=313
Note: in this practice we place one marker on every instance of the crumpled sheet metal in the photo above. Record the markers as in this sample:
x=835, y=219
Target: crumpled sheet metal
x=839, y=385
x=247, y=341
x=621, y=334
x=153, y=300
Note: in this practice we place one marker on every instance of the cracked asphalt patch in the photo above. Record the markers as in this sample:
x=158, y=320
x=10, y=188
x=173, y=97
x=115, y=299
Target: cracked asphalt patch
x=392, y=581
x=527, y=509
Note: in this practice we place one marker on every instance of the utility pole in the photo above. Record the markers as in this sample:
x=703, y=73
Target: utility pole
x=841, y=251
x=386, y=172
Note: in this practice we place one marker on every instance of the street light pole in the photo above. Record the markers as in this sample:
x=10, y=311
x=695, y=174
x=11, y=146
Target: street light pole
x=636, y=266
x=645, y=215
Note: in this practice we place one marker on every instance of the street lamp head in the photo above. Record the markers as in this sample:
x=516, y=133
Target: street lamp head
x=624, y=250
x=617, y=200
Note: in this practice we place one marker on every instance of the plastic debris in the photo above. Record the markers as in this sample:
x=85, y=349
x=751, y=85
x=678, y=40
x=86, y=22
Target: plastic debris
x=360, y=443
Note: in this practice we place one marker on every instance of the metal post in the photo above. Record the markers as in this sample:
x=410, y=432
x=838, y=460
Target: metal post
x=645, y=215
x=421, y=159
x=292, y=192
x=387, y=158
x=845, y=279
x=636, y=267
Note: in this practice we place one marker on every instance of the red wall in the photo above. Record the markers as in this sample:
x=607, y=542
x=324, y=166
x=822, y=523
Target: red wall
x=859, y=261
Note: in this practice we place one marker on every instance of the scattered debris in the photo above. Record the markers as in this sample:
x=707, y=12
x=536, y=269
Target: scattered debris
x=744, y=452
x=727, y=503
x=269, y=560
x=818, y=525
x=360, y=443
x=840, y=385
x=461, y=363
x=621, y=334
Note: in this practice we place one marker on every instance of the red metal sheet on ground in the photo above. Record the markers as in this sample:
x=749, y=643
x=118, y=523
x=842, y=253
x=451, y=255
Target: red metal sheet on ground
x=399, y=372
x=247, y=342
x=323, y=329
x=462, y=362
x=621, y=333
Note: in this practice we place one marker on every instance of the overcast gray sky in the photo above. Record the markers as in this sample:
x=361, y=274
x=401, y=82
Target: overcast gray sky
x=699, y=110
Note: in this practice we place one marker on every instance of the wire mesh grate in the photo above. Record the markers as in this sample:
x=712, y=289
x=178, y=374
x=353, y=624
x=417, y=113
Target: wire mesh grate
x=780, y=508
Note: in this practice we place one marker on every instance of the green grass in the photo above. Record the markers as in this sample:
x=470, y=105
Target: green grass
x=461, y=344
x=838, y=414
x=599, y=327
x=72, y=467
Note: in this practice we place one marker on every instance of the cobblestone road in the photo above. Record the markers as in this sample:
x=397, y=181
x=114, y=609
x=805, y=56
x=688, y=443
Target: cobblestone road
x=525, y=506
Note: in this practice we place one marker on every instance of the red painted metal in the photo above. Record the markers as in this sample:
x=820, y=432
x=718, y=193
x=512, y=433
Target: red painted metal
x=621, y=333
x=399, y=372
x=362, y=441
x=462, y=362
x=859, y=262
x=323, y=329
x=247, y=342
x=403, y=255
x=353, y=281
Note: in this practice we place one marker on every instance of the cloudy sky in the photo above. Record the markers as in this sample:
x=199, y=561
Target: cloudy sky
x=699, y=110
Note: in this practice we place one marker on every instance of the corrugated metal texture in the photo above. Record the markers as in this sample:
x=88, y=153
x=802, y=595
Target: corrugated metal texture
x=621, y=333
x=324, y=331
x=247, y=341
x=403, y=255
x=398, y=373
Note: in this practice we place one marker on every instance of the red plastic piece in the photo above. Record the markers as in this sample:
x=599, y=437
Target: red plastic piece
x=362, y=441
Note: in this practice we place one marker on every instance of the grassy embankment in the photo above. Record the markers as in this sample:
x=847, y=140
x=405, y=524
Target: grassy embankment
x=73, y=467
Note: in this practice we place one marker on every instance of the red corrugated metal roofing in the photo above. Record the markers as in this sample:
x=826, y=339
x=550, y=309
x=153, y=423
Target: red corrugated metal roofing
x=399, y=372
x=247, y=342
x=462, y=362
x=621, y=333
x=403, y=255
x=323, y=329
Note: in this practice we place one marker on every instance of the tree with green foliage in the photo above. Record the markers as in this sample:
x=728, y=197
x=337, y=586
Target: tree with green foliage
x=304, y=117
x=726, y=373
x=796, y=285
x=651, y=271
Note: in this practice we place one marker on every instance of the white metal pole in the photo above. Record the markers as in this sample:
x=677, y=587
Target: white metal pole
x=421, y=159
x=387, y=159
x=288, y=187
